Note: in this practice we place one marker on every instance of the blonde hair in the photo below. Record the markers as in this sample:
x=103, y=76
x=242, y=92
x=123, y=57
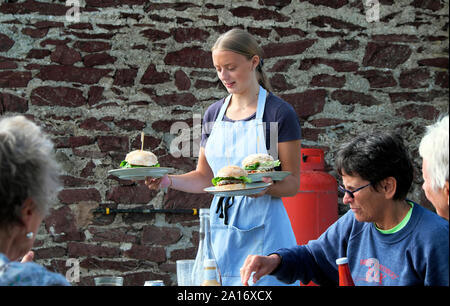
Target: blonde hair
x=241, y=42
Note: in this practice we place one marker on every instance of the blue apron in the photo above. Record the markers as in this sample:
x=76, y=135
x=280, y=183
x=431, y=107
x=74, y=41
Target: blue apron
x=253, y=226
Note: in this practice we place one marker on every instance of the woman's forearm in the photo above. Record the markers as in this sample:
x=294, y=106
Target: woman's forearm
x=286, y=188
x=193, y=182
x=196, y=180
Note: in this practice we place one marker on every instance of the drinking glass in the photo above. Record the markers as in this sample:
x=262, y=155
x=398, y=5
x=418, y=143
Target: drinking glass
x=108, y=281
x=184, y=272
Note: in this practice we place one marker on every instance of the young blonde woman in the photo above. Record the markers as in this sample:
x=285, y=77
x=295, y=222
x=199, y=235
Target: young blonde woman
x=248, y=121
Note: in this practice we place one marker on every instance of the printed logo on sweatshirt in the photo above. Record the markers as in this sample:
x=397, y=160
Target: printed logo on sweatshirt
x=376, y=272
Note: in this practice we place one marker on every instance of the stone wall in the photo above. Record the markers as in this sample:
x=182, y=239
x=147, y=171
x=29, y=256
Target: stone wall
x=133, y=65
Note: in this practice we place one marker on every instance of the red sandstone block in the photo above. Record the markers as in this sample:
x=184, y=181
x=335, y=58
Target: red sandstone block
x=158, y=235
x=70, y=196
x=190, y=57
x=154, y=254
x=79, y=249
x=326, y=80
x=113, y=143
x=94, y=124
x=183, y=35
x=330, y=3
x=131, y=125
x=415, y=78
x=349, y=97
x=12, y=103
x=258, y=14
x=307, y=103
x=14, y=79
x=379, y=78
x=152, y=76
x=92, y=46
x=98, y=59
x=289, y=48
x=385, y=55
x=57, y=96
x=32, y=6
x=6, y=43
x=133, y=194
x=71, y=74
x=414, y=110
x=125, y=77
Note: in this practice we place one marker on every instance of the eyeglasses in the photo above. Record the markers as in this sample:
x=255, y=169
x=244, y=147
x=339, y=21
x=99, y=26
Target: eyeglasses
x=351, y=193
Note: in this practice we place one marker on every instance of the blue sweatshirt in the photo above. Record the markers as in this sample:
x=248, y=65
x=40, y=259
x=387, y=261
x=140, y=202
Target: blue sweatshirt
x=418, y=254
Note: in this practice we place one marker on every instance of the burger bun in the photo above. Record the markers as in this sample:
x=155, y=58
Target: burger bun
x=256, y=158
x=232, y=171
x=230, y=187
x=141, y=158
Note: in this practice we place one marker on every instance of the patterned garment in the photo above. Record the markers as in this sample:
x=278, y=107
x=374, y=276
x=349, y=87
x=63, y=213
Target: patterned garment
x=13, y=273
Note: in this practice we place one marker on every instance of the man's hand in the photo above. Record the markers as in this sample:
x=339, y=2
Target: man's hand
x=261, y=265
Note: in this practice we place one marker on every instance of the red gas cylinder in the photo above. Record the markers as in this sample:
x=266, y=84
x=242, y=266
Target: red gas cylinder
x=315, y=207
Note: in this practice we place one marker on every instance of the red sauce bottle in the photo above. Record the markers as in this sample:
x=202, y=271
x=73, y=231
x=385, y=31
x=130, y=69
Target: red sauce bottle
x=345, y=278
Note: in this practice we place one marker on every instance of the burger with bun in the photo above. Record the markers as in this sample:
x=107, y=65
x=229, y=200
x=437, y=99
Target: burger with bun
x=260, y=162
x=140, y=158
x=231, y=178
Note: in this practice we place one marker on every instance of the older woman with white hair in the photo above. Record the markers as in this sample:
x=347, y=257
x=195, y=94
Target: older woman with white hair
x=434, y=152
x=29, y=182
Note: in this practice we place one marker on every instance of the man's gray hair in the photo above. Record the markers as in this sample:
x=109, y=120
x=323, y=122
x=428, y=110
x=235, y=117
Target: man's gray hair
x=28, y=168
x=434, y=149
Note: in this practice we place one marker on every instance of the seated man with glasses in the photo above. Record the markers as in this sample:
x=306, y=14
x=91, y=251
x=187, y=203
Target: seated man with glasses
x=389, y=240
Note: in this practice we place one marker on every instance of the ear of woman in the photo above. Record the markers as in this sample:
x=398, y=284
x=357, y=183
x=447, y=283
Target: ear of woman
x=446, y=190
x=389, y=187
x=31, y=218
x=255, y=61
x=27, y=211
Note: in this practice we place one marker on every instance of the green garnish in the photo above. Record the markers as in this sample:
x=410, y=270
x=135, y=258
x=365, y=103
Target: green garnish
x=241, y=178
x=125, y=164
x=269, y=164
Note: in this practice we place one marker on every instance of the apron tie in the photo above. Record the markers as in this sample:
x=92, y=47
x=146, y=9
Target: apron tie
x=222, y=206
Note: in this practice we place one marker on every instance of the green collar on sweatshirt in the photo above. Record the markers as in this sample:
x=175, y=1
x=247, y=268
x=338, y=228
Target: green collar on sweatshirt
x=401, y=225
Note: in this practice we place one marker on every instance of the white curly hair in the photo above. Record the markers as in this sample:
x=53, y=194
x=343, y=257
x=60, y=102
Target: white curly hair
x=28, y=168
x=434, y=149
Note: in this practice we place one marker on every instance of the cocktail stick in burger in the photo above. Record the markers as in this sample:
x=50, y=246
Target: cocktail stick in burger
x=256, y=163
x=139, y=158
x=231, y=178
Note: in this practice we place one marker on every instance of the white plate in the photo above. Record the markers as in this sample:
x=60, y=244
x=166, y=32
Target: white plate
x=274, y=175
x=249, y=189
x=140, y=173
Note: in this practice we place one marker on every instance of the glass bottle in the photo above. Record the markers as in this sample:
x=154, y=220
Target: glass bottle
x=345, y=278
x=205, y=251
x=212, y=277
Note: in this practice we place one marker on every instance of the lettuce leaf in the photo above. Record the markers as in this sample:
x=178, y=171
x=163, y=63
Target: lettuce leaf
x=252, y=167
x=241, y=178
x=269, y=164
x=125, y=164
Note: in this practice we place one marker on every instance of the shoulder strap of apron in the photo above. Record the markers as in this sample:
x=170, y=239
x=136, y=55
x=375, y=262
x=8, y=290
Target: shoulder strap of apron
x=261, y=103
x=223, y=109
x=262, y=95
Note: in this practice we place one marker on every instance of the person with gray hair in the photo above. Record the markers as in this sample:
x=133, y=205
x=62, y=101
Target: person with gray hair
x=434, y=151
x=29, y=183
